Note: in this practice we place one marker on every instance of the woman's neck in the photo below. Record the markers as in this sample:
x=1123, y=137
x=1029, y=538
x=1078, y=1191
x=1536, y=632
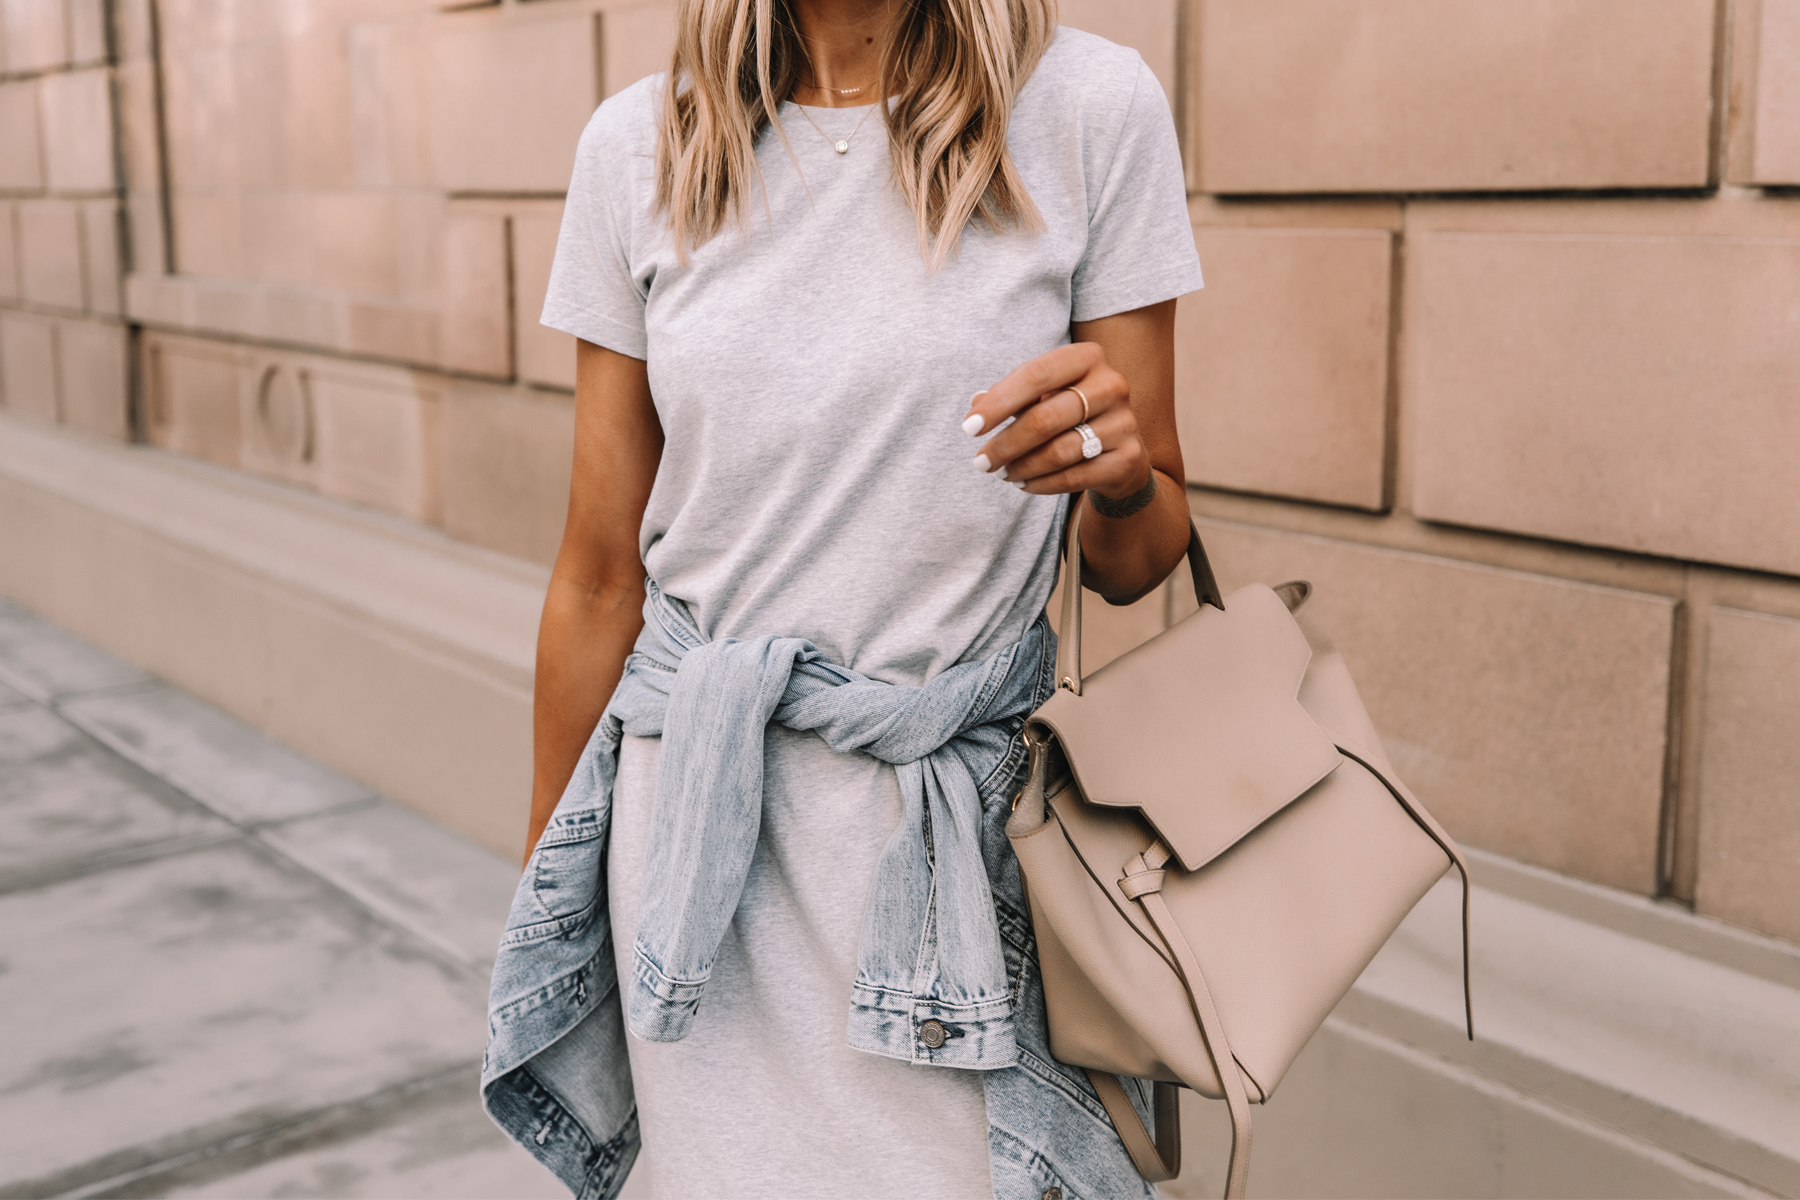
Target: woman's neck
x=843, y=41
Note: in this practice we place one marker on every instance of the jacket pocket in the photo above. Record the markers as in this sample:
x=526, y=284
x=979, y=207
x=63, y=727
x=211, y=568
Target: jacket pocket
x=566, y=876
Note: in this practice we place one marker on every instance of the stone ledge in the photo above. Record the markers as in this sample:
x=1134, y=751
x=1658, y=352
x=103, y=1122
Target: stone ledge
x=1672, y=1029
x=386, y=650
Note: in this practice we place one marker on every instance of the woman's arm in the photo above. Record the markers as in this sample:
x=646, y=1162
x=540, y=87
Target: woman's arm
x=1132, y=537
x=594, y=608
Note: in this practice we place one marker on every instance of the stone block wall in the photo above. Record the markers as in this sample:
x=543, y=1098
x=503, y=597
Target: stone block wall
x=63, y=345
x=1500, y=344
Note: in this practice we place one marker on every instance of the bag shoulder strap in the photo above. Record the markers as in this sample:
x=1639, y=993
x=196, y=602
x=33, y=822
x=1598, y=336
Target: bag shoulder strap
x=1158, y=1161
x=1143, y=883
x=1068, y=644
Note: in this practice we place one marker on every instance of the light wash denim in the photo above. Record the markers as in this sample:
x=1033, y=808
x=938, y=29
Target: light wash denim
x=946, y=933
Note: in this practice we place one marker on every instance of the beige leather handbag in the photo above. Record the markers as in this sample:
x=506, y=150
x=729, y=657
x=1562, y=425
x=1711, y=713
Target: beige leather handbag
x=1214, y=847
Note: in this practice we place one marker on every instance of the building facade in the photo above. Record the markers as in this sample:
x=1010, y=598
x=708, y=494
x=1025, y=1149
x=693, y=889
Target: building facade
x=1500, y=348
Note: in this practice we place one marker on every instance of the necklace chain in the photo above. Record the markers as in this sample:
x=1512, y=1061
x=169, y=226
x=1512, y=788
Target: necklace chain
x=841, y=145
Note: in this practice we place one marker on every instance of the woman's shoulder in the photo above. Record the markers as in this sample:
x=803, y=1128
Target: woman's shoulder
x=1083, y=71
x=626, y=121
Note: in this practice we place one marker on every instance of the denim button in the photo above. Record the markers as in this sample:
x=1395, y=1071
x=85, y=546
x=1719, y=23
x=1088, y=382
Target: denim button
x=1052, y=1193
x=932, y=1034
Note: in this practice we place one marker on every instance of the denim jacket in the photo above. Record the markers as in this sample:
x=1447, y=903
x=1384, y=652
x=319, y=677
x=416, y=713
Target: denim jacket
x=946, y=933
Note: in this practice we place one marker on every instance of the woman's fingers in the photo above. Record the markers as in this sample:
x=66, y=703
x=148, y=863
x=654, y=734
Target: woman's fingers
x=1034, y=427
x=1063, y=447
x=1031, y=381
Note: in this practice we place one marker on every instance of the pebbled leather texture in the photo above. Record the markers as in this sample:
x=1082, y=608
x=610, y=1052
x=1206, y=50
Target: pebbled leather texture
x=1214, y=845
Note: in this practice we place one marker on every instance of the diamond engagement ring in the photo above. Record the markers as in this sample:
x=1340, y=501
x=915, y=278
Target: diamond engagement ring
x=1090, y=441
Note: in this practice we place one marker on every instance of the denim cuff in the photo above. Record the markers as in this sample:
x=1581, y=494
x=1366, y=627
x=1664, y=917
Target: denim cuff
x=978, y=1036
x=660, y=1009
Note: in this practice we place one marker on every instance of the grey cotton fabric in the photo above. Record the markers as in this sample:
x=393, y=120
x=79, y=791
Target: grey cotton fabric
x=764, y=1098
x=811, y=376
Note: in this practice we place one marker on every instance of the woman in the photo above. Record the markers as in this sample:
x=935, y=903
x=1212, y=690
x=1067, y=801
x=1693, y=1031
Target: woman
x=785, y=809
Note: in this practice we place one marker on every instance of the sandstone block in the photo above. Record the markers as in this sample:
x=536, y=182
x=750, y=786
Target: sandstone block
x=379, y=439
x=1766, y=93
x=1627, y=391
x=137, y=125
x=1528, y=713
x=509, y=100
x=280, y=421
x=9, y=253
x=1452, y=95
x=545, y=355
x=307, y=318
x=28, y=364
x=1281, y=364
x=143, y=215
x=91, y=362
x=317, y=140
x=87, y=31
x=507, y=458
x=476, y=313
x=355, y=241
x=192, y=397
x=1147, y=26
x=50, y=270
x=226, y=306
x=21, y=151
x=277, y=237
x=78, y=132
x=1749, y=861
x=390, y=99
x=635, y=42
x=100, y=224
x=403, y=332
x=34, y=34
x=206, y=232
x=131, y=26
x=156, y=299
x=206, y=113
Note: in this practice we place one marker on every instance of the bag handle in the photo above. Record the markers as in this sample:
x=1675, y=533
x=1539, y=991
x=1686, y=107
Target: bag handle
x=1068, y=644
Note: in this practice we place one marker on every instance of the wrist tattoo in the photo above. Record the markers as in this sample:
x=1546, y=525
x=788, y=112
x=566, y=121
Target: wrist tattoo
x=1131, y=505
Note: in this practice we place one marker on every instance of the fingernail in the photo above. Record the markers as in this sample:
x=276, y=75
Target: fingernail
x=982, y=464
x=1007, y=475
x=972, y=424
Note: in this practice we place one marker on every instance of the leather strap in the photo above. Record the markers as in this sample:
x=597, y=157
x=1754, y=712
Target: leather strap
x=1068, y=643
x=1417, y=812
x=1212, y=1030
x=1157, y=1161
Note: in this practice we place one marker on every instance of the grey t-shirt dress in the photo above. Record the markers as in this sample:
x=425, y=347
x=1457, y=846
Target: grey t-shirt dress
x=811, y=375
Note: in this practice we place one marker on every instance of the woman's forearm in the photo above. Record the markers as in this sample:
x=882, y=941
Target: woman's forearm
x=584, y=637
x=1124, y=558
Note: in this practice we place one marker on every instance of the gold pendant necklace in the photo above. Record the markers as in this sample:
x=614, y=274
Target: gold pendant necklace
x=843, y=145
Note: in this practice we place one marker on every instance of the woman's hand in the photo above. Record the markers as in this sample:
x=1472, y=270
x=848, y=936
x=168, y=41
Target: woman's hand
x=1055, y=399
x=1124, y=365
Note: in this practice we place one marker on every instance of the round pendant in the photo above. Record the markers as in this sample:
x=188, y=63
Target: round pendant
x=842, y=146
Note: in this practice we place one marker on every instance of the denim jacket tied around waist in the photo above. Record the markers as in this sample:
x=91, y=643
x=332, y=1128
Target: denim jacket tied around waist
x=945, y=938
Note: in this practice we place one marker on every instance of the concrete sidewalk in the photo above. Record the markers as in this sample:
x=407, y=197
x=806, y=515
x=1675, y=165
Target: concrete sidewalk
x=225, y=970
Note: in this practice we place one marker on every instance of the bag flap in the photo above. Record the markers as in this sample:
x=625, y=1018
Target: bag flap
x=1200, y=727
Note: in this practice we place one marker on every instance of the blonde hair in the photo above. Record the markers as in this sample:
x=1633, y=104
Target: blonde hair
x=952, y=67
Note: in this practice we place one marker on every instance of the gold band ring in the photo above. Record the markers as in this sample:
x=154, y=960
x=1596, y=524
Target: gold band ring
x=1084, y=403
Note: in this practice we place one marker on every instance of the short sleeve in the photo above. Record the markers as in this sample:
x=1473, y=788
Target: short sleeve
x=594, y=292
x=1140, y=247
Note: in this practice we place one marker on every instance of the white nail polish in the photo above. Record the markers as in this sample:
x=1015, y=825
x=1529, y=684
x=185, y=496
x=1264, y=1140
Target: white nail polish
x=982, y=464
x=973, y=423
